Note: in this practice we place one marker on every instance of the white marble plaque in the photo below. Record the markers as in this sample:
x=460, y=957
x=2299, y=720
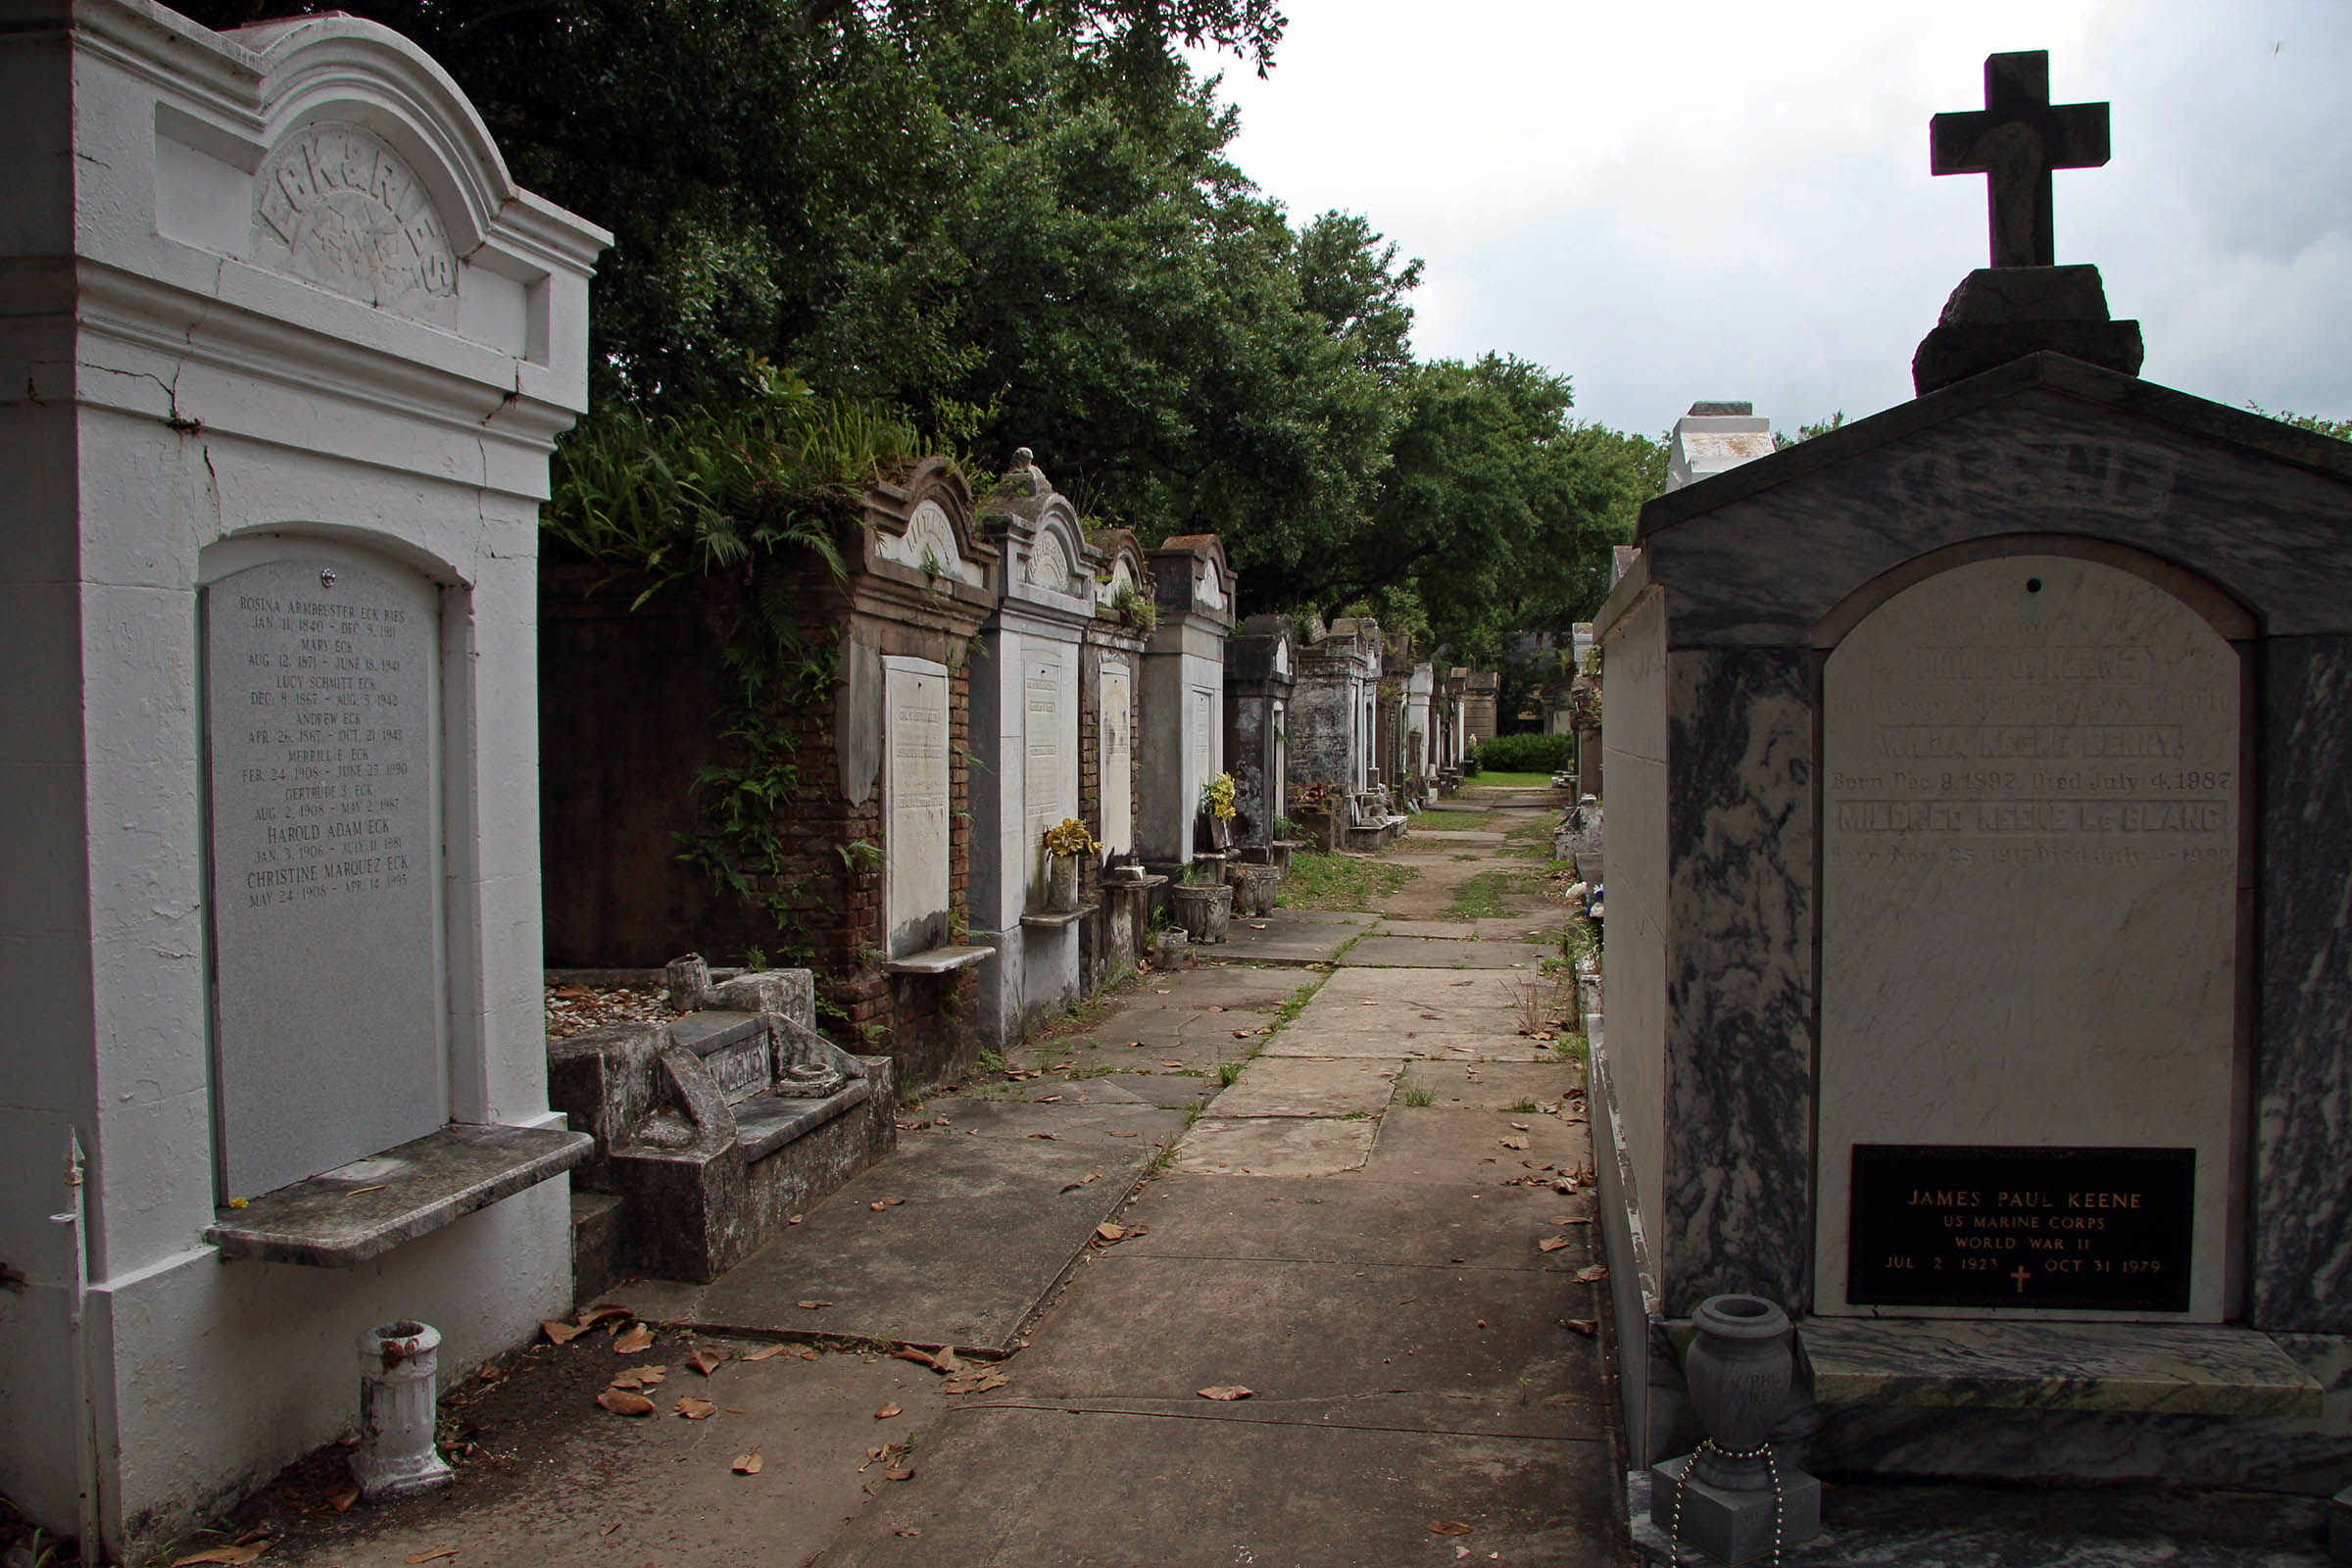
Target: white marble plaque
x=327, y=1011
x=2030, y=806
x=1049, y=735
x=914, y=804
x=1118, y=758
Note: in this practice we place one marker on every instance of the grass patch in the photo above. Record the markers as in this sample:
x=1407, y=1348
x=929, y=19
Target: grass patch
x=1507, y=781
x=1522, y=1104
x=1529, y=841
x=1227, y=1071
x=1458, y=822
x=1419, y=1095
x=1488, y=895
x=1340, y=882
x=1288, y=1011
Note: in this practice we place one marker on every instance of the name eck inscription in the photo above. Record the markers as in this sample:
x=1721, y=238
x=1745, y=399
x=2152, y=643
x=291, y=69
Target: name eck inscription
x=337, y=206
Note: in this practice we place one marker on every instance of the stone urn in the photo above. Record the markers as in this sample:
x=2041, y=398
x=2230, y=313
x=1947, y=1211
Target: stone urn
x=1254, y=888
x=1168, y=949
x=1738, y=1368
x=399, y=1367
x=1061, y=883
x=1202, y=910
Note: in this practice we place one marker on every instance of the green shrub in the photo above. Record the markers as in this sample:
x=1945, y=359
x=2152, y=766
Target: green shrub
x=1523, y=754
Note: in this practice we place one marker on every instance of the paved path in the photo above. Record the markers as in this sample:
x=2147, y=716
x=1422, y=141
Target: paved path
x=1353, y=1230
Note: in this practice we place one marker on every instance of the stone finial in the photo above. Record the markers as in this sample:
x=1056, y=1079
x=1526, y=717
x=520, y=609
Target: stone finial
x=1023, y=458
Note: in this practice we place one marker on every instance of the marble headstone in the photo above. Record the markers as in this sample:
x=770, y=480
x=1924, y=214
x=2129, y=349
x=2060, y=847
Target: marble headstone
x=915, y=903
x=1118, y=758
x=327, y=996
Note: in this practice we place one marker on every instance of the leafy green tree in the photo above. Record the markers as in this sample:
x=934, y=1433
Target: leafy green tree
x=2341, y=430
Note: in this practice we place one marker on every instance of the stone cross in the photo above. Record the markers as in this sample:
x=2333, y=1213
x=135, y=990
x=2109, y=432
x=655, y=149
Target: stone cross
x=2016, y=139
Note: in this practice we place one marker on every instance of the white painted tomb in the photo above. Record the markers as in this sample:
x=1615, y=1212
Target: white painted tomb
x=1182, y=744
x=291, y=348
x=1024, y=703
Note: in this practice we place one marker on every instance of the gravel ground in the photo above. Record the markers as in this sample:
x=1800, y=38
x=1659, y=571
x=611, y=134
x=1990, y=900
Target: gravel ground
x=576, y=1009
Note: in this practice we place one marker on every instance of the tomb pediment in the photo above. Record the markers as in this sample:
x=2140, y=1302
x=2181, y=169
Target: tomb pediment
x=2044, y=446
x=923, y=524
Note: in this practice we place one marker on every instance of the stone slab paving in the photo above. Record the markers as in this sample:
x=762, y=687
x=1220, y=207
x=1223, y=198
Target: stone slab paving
x=1041, y=1489
x=988, y=1217
x=1275, y=1145
x=1288, y=937
x=1470, y=1220
x=1509, y=928
x=1376, y=951
x=1291, y=1085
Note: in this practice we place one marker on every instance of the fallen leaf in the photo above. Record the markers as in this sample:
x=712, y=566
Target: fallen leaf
x=379, y=1186
x=1448, y=1527
x=1241, y=1034
x=1581, y=1325
x=1514, y=1142
x=639, y=1377
x=601, y=1312
x=620, y=1401
x=1171, y=1064
x=1522, y=1126
x=906, y=1530
x=1257, y=926
x=342, y=1500
x=636, y=1340
x=1135, y=1045
x=978, y=1380
x=434, y=1555
x=886, y=1412
x=1049, y=1099
x=562, y=1333
x=1126, y=1135
x=1592, y=1273
x=1227, y=1392
x=796, y=1220
x=1108, y=1231
x=223, y=1554
x=706, y=1360
x=695, y=1410
x=812, y=1355
x=1551, y=1244
x=908, y=1352
x=946, y=1361
x=746, y=1464
x=810, y=1306
x=1053, y=1137
x=769, y=1353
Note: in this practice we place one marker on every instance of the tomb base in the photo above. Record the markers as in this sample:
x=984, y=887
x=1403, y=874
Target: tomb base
x=1730, y=1526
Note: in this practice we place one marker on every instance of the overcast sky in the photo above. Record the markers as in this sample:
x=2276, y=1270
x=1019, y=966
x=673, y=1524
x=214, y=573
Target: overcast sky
x=1733, y=200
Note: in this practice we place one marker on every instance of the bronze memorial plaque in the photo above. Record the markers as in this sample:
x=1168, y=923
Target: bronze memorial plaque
x=2065, y=1229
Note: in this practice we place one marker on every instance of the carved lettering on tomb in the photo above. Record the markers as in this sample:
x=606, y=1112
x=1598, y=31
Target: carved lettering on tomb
x=336, y=206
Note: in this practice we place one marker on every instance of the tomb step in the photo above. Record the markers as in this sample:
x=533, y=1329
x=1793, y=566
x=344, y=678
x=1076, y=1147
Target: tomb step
x=765, y=1123
x=596, y=1244
x=2175, y=1368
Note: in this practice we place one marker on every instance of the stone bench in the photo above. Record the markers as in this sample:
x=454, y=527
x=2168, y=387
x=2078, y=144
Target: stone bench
x=715, y=1127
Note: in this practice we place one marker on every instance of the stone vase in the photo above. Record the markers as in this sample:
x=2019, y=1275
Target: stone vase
x=1202, y=911
x=1061, y=883
x=400, y=1363
x=1256, y=895
x=1168, y=949
x=1739, y=1369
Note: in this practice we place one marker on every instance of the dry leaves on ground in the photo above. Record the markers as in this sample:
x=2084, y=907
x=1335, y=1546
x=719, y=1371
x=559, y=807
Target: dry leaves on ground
x=434, y=1555
x=746, y=1464
x=1592, y=1273
x=887, y=1411
x=1448, y=1527
x=231, y=1556
x=976, y=1379
x=1514, y=1142
x=1551, y=1244
x=1581, y=1325
x=639, y=1377
x=768, y=1354
x=1106, y=1233
x=635, y=1342
x=1227, y=1392
x=886, y=1203
x=694, y=1409
x=706, y=1360
x=620, y=1401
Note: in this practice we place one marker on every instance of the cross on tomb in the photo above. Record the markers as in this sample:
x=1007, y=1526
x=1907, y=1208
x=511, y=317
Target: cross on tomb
x=2022, y=1279
x=2015, y=141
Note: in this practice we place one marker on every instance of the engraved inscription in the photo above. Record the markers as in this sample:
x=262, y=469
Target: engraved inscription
x=741, y=1069
x=2078, y=1229
x=916, y=848
x=1118, y=759
x=325, y=898
x=335, y=205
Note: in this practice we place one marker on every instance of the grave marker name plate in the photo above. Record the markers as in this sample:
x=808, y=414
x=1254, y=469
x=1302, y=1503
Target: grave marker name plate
x=915, y=796
x=326, y=971
x=2076, y=1229
x=1118, y=758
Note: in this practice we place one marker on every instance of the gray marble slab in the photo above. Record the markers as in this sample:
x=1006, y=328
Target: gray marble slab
x=1739, y=978
x=2201, y=1369
x=371, y=1206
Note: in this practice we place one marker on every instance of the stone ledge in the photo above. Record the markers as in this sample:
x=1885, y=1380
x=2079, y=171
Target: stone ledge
x=2014, y=1364
x=939, y=961
x=371, y=1206
x=1057, y=919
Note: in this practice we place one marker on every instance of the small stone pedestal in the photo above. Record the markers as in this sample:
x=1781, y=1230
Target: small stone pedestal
x=1732, y=1500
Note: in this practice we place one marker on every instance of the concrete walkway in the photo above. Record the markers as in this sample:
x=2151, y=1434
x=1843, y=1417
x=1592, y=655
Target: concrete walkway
x=1354, y=1231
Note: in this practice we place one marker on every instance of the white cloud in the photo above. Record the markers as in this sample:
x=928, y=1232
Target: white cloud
x=1733, y=200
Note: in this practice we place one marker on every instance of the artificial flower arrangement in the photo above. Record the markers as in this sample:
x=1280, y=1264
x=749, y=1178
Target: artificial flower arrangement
x=1070, y=837
x=1216, y=796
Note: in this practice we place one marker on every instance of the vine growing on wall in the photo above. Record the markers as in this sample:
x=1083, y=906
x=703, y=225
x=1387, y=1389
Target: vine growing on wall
x=760, y=491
